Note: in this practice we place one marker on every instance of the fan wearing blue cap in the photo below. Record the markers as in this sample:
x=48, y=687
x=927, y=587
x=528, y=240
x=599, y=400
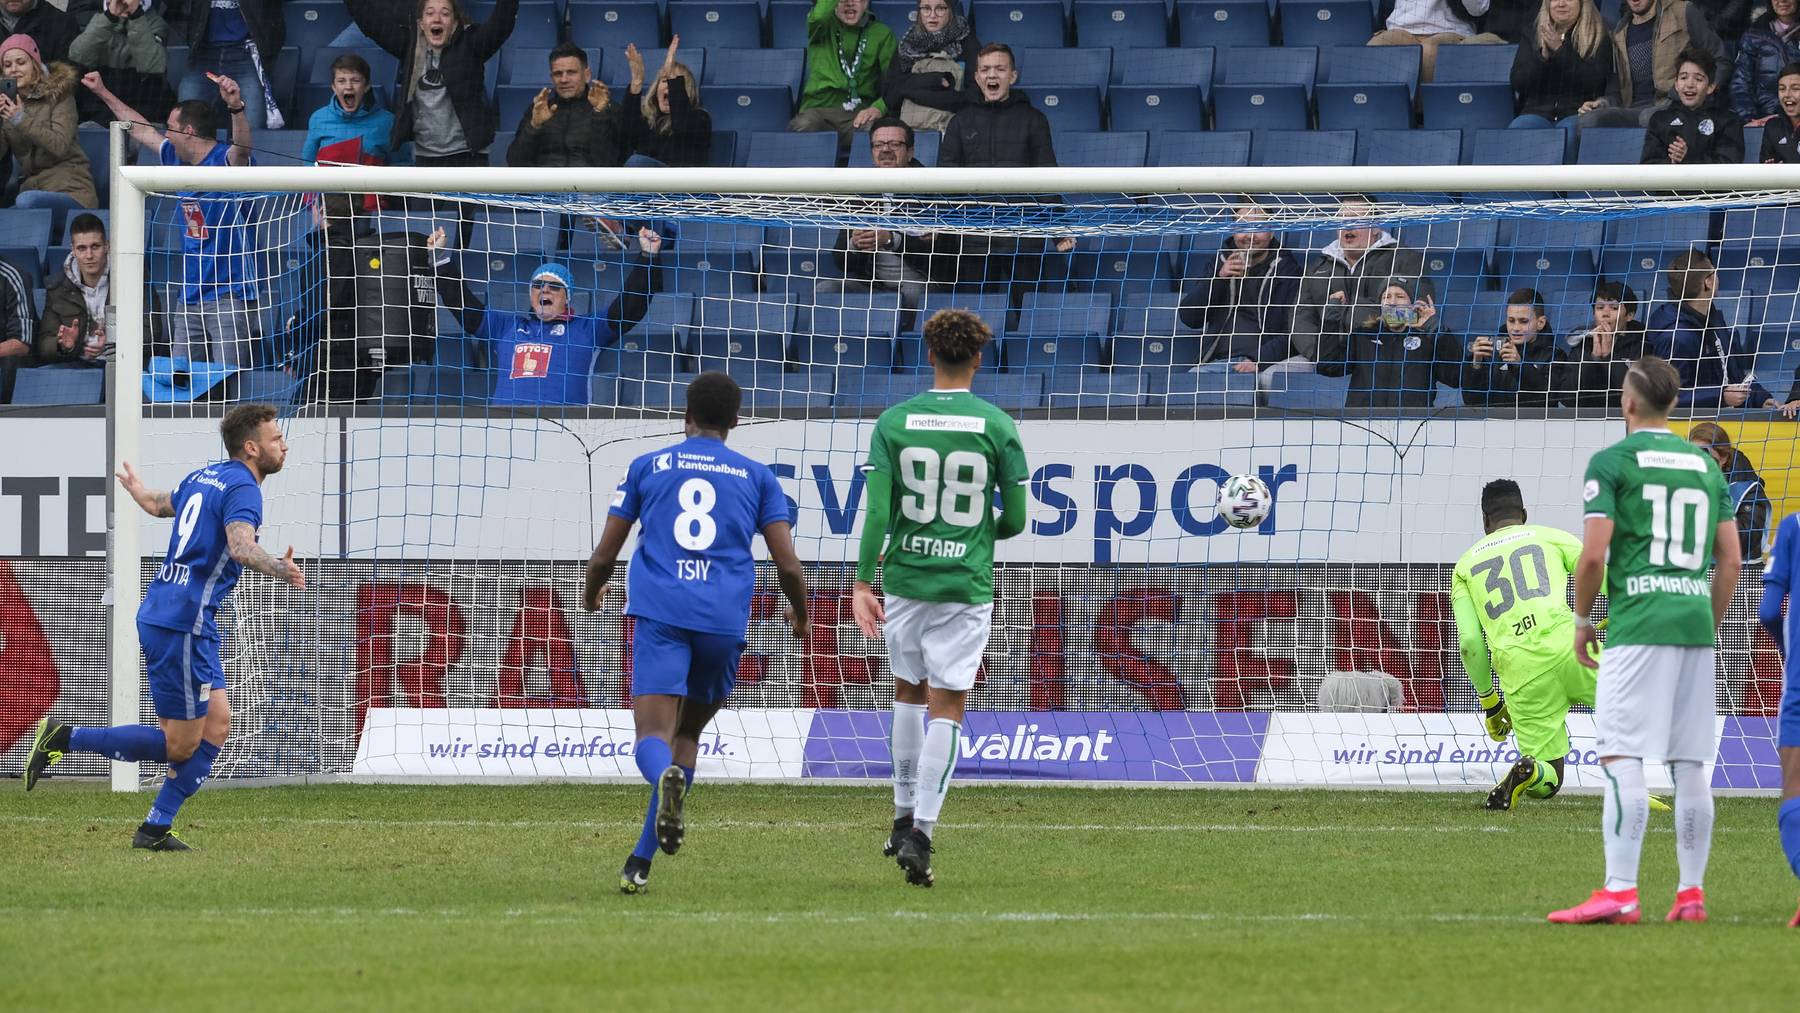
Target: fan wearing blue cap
x=546, y=356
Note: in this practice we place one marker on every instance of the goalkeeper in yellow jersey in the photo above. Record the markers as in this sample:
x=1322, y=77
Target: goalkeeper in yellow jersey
x=1510, y=597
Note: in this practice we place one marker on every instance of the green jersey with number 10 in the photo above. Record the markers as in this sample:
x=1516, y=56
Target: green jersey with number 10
x=946, y=452
x=1665, y=497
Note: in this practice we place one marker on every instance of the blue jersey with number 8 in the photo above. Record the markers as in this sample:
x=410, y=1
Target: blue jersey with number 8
x=699, y=504
x=198, y=573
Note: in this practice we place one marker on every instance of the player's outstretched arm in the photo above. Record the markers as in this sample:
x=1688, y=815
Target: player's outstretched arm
x=1728, y=563
x=1590, y=571
x=240, y=541
x=605, y=558
x=1012, y=511
x=779, y=537
x=1768, y=612
x=155, y=502
x=864, y=605
x=1473, y=647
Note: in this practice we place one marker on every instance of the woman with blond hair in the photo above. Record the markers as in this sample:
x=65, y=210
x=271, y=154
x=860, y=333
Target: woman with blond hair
x=1747, y=494
x=1561, y=70
x=664, y=122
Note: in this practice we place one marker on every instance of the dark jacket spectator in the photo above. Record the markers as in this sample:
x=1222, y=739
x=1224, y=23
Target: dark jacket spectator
x=1767, y=46
x=1512, y=368
x=377, y=316
x=1246, y=308
x=1706, y=352
x=439, y=53
x=1557, y=83
x=665, y=123
x=131, y=49
x=1396, y=357
x=935, y=256
x=39, y=132
x=52, y=29
x=1591, y=364
x=1695, y=127
x=1781, y=139
x=1003, y=130
x=581, y=128
x=1730, y=18
x=1343, y=283
x=1667, y=28
x=933, y=73
x=16, y=327
x=1748, y=494
x=72, y=329
x=1511, y=20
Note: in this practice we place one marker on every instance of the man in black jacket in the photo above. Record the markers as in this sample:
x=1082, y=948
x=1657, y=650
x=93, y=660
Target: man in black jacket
x=572, y=123
x=890, y=259
x=1003, y=130
x=238, y=39
x=51, y=29
x=1247, y=306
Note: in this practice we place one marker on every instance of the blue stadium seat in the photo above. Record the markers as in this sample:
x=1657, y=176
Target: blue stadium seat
x=1478, y=64
x=1308, y=392
x=793, y=259
x=734, y=68
x=825, y=350
x=748, y=109
x=1326, y=22
x=670, y=315
x=1165, y=67
x=1674, y=229
x=1011, y=392
x=1065, y=313
x=313, y=25
x=1363, y=64
x=1040, y=68
x=1610, y=146
x=724, y=148
x=851, y=315
x=774, y=394
x=1455, y=251
x=1209, y=389
x=1021, y=23
x=909, y=350
x=284, y=76
x=1102, y=149
x=1297, y=65
x=1222, y=23
x=1201, y=147
x=898, y=15
x=531, y=66
x=537, y=24
x=1759, y=227
x=1753, y=137
x=1364, y=106
x=1069, y=107
x=593, y=23
x=1457, y=106
x=280, y=147
x=1121, y=23
x=615, y=70
x=991, y=307
x=730, y=24
x=728, y=330
x=426, y=382
x=656, y=393
x=1551, y=234
x=270, y=386
x=815, y=149
x=514, y=101
x=1124, y=265
x=26, y=228
x=1157, y=107
x=58, y=385
x=925, y=147
x=1304, y=147
x=1544, y=270
x=1152, y=336
x=787, y=23
x=97, y=148
x=1517, y=147
x=1409, y=147
x=1090, y=388
x=870, y=389
x=1641, y=268
x=1260, y=107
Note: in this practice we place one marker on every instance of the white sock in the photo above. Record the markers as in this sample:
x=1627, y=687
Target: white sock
x=1622, y=816
x=1693, y=820
x=903, y=744
x=937, y=761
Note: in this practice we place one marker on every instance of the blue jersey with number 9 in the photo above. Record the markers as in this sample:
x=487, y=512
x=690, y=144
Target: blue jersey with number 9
x=198, y=573
x=698, y=504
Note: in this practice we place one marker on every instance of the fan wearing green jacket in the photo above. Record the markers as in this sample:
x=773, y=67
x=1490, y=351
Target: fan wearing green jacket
x=847, y=57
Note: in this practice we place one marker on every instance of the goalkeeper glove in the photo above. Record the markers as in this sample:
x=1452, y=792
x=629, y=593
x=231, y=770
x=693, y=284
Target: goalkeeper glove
x=1495, y=716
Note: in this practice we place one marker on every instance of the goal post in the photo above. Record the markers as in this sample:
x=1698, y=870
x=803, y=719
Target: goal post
x=444, y=520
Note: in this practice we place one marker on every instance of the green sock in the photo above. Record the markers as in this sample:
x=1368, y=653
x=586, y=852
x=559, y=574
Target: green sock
x=1544, y=783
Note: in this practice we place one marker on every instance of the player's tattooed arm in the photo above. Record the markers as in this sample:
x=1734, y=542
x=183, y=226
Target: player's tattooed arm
x=240, y=539
x=155, y=502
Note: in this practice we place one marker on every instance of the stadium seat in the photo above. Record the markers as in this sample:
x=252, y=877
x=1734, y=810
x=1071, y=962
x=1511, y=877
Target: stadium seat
x=284, y=77
x=1675, y=229
x=787, y=23
x=1480, y=64
x=734, y=68
x=1363, y=64
x=724, y=148
x=815, y=149
x=1102, y=148
x=598, y=24
x=1363, y=106
x=853, y=315
x=1152, y=336
x=615, y=70
x=312, y=25
x=748, y=109
x=514, y=102
x=536, y=24
x=1011, y=392
x=1208, y=389
x=793, y=259
x=1409, y=147
x=1042, y=68
x=1166, y=67
x=909, y=349
x=729, y=24
x=728, y=330
x=1123, y=265
x=1021, y=23
x=427, y=382
x=1200, y=147
x=97, y=148
x=1610, y=146
x=1325, y=22
x=1459, y=106
x=1455, y=251
x=898, y=15
x=925, y=147
x=670, y=315
x=1260, y=107
x=531, y=67
x=1223, y=24
x=1551, y=234
x=1157, y=107
x=1069, y=107
x=26, y=228
x=1308, y=392
x=280, y=147
x=772, y=393
x=1089, y=388
x=824, y=349
x=1304, y=147
x=1298, y=65
x=270, y=386
x=1753, y=137
x=1121, y=23
x=1517, y=147
x=991, y=307
x=58, y=385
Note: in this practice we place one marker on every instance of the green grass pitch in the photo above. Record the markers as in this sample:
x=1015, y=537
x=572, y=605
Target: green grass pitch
x=458, y=897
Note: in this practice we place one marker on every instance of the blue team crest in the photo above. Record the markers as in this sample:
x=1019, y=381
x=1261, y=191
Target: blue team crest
x=663, y=462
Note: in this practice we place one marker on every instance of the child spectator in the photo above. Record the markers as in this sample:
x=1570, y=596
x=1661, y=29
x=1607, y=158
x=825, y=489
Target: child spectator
x=847, y=56
x=441, y=103
x=39, y=130
x=350, y=115
x=933, y=73
x=1515, y=369
x=1781, y=132
x=1693, y=129
x=665, y=125
x=1768, y=46
x=1647, y=43
x=1590, y=371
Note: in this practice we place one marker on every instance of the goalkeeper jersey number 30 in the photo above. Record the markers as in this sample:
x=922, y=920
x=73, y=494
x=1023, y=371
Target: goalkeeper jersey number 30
x=1514, y=585
x=946, y=453
x=1665, y=497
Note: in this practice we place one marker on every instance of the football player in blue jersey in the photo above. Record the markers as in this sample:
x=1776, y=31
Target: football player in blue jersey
x=1778, y=587
x=689, y=585
x=217, y=510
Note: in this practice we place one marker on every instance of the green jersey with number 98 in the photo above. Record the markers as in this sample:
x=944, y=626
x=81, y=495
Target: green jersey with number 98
x=1665, y=497
x=946, y=452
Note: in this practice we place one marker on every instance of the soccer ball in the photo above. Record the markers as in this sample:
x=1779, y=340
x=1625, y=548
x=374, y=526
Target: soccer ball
x=1244, y=501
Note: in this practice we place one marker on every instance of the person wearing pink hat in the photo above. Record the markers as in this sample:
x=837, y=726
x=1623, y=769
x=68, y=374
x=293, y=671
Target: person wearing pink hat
x=37, y=127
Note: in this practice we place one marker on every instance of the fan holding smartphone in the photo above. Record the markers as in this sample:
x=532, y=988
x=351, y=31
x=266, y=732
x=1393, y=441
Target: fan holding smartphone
x=37, y=127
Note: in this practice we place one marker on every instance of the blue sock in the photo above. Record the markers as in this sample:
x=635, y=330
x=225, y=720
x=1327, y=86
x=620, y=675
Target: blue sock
x=687, y=774
x=1788, y=819
x=186, y=778
x=653, y=756
x=126, y=742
